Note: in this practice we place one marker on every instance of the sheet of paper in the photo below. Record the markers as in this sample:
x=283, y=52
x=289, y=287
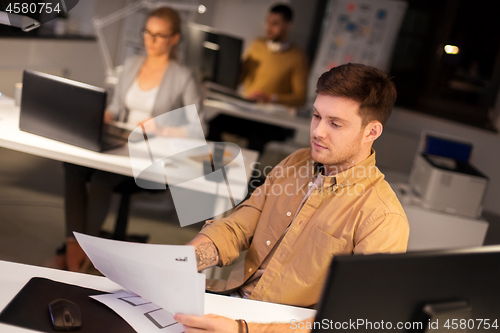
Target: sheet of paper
x=4, y=99
x=163, y=274
x=255, y=311
x=141, y=314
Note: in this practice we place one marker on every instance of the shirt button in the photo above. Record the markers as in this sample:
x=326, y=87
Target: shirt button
x=289, y=214
x=310, y=184
x=268, y=243
x=250, y=270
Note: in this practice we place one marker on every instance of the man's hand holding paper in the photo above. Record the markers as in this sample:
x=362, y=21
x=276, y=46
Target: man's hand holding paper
x=165, y=275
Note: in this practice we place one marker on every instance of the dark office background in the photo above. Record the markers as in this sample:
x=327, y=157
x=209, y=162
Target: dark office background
x=461, y=87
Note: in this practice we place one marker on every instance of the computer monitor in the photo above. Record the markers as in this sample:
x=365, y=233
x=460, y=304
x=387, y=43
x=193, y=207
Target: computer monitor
x=213, y=56
x=412, y=292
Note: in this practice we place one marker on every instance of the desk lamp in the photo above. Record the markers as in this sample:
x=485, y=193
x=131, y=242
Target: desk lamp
x=19, y=21
x=100, y=23
x=22, y=21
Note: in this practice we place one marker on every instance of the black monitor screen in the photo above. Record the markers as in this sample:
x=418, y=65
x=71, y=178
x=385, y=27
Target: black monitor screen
x=413, y=292
x=213, y=56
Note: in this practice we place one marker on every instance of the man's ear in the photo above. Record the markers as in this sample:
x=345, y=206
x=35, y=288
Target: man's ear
x=373, y=130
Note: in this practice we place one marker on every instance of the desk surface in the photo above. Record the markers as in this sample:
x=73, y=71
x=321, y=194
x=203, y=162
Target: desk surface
x=14, y=276
x=256, y=112
x=116, y=160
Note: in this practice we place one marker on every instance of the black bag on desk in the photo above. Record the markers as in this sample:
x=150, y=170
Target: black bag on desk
x=30, y=308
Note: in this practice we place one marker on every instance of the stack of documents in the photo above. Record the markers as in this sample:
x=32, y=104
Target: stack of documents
x=155, y=277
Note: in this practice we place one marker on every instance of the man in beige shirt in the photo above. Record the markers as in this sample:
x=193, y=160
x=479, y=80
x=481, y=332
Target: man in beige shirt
x=274, y=70
x=326, y=200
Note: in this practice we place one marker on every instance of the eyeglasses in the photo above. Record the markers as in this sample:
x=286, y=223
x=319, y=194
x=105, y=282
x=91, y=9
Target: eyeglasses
x=162, y=37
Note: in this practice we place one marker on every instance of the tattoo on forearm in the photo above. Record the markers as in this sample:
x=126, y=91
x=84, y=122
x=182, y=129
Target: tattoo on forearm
x=206, y=255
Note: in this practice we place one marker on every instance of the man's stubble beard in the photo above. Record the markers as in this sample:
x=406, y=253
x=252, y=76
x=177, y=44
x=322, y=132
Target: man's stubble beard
x=340, y=158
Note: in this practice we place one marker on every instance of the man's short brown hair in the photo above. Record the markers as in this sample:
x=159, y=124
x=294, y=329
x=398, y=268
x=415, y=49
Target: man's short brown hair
x=364, y=84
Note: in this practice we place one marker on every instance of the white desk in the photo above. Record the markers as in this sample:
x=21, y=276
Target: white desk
x=433, y=230
x=14, y=276
x=260, y=113
x=116, y=160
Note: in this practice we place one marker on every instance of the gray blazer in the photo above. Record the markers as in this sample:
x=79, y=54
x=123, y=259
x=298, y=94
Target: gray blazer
x=178, y=88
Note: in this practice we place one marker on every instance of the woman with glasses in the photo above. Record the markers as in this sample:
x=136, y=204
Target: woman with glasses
x=156, y=83
x=149, y=86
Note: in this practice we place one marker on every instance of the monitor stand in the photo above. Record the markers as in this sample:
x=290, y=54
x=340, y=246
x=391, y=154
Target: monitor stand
x=448, y=317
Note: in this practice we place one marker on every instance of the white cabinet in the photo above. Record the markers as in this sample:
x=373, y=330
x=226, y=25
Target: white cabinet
x=432, y=230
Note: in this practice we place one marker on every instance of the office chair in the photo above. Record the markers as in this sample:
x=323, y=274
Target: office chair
x=126, y=190
x=129, y=187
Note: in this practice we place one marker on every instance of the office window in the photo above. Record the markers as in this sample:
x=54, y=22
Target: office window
x=446, y=60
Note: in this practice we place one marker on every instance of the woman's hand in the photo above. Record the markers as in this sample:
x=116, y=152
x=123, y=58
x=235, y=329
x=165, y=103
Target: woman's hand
x=176, y=132
x=149, y=126
x=152, y=127
x=108, y=117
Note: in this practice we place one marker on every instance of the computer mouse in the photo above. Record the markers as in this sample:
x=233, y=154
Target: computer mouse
x=65, y=315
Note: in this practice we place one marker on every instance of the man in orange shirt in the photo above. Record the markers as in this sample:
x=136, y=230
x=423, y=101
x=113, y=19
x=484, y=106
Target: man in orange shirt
x=274, y=71
x=274, y=68
x=326, y=200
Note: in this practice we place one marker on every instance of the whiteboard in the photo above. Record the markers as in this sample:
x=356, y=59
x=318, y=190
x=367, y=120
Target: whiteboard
x=358, y=31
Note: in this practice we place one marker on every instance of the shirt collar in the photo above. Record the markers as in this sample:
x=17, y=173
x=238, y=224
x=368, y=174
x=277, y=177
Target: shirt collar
x=360, y=171
x=276, y=47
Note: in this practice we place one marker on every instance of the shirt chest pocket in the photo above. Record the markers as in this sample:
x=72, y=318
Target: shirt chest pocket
x=315, y=256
